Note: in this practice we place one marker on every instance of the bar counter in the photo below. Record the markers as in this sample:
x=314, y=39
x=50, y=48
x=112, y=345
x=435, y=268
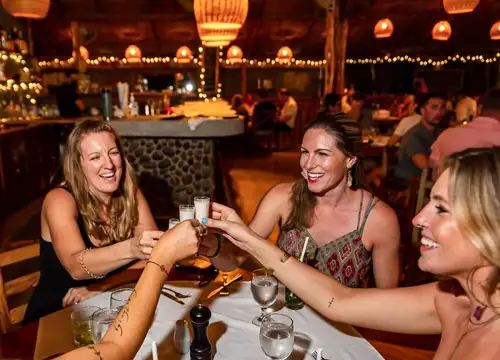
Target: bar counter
x=174, y=159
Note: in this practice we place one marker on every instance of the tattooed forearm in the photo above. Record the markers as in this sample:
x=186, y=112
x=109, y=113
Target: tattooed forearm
x=124, y=314
x=96, y=352
x=331, y=302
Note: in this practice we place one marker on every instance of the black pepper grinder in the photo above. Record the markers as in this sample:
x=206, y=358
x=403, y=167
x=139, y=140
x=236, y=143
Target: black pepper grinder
x=200, y=347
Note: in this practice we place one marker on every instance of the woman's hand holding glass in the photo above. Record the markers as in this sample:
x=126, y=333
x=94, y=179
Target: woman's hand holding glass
x=227, y=222
x=141, y=246
x=180, y=242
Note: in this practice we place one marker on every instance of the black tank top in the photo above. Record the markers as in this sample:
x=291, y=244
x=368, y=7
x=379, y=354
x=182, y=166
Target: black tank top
x=55, y=281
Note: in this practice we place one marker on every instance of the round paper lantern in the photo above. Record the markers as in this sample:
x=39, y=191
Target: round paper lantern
x=383, y=29
x=495, y=31
x=441, y=31
x=226, y=35
x=285, y=54
x=31, y=9
x=84, y=53
x=184, y=55
x=215, y=43
x=234, y=54
x=459, y=6
x=220, y=14
x=133, y=54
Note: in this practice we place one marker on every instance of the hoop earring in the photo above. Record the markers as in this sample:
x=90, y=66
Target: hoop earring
x=349, y=178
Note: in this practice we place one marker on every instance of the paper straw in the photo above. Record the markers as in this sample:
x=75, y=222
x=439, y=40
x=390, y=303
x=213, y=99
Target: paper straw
x=304, y=249
x=154, y=350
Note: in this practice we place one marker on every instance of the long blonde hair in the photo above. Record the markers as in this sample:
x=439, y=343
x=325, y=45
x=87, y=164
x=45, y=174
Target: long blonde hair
x=122, y=211
x=475, y=203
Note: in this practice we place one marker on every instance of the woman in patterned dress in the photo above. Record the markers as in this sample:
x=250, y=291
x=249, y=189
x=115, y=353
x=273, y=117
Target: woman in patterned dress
x=349, y=230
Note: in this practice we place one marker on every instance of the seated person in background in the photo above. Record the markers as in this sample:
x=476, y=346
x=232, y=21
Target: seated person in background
x=403, y=127
x=482, y=131
x=460, y=240
x=68, y=101
x=238, y=105
x=126, y=335
x=331, y=104
x=248, y=103
x=346, y=100
x=407, y=108
x=466, y=109
x=349, y=230
x=96, y=222
x=362, y=115
x=415, y=148
x=264, y=111
x=287, y=115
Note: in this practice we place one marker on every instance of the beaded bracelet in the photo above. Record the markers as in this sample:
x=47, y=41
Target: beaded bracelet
x=89, y=273
x=162, y=267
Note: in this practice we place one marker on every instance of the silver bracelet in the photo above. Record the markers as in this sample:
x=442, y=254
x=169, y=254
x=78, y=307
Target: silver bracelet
x=89, y=273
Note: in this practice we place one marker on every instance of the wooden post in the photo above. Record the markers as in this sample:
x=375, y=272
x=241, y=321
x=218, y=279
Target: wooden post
x=244, y=79
x=217, y=69
x=330, y=48
x=340, y=55
x=75, y=38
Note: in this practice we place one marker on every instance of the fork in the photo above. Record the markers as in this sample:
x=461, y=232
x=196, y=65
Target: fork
x=318, y=354
x=178, y=294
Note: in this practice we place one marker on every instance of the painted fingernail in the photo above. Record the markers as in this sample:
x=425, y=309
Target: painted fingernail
x=204, y=221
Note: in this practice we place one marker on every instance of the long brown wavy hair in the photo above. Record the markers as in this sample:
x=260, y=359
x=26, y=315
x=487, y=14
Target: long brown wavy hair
x=122, y=211
x=347, y=134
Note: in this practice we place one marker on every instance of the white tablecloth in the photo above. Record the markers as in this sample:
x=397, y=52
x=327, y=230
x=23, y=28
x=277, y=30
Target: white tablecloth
x=231, y=332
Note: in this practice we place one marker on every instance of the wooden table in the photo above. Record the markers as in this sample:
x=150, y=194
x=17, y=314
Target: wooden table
x=20, y=343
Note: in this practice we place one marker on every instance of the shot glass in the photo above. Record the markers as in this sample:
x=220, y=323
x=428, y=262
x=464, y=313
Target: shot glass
x=186, y=212
x=202, y=207
x=172, y=222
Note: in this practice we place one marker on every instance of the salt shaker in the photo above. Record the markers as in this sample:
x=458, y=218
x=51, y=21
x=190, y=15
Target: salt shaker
x=182, y=337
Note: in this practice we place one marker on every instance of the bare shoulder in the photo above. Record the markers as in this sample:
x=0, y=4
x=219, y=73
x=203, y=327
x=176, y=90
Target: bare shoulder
x=282, y=190
x=59, y=200
x=382, y=223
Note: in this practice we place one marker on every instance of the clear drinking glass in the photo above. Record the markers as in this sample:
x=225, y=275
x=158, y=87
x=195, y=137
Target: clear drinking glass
x=202, y=207
x=101, y=321
x=186, y=212
x=119, y=298
x=81, y=324
x=276, y=336
x=264, y=291
x=172, y=222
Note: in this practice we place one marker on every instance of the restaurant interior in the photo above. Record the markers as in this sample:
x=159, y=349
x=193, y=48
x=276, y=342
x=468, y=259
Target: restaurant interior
x=200, y=93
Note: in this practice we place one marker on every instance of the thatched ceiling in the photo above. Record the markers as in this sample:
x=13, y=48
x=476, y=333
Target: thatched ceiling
x=159, y=27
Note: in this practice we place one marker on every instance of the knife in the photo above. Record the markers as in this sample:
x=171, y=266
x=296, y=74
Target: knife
x=218, y=290
x=172, y=297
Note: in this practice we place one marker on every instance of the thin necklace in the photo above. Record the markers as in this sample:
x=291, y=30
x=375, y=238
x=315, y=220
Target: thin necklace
x=478, y=313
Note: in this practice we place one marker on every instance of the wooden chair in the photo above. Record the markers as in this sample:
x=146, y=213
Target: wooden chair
x=17, y=285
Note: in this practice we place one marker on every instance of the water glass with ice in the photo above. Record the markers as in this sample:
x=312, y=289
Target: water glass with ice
x=101, y=321
x=276, y=336
x=264, y=291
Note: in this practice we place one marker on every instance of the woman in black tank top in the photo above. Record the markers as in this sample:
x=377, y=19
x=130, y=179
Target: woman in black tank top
x=94, y=225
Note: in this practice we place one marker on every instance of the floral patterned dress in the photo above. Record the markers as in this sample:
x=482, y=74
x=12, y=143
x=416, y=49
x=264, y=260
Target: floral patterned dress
x=345, y=259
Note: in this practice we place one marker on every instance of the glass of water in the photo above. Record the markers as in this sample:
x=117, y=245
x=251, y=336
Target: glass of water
x=264, y=291
x=276, y=336
x=101, y=321
x=119, y=298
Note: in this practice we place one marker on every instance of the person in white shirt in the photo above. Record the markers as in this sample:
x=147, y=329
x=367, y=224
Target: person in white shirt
x=289, y=111
x=286, y=117
x=404, y=125
x=346, y=101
